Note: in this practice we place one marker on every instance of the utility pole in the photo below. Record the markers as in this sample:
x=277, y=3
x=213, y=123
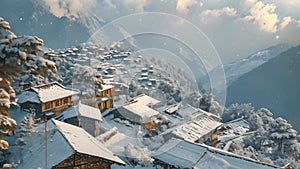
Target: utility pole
x=46, y=143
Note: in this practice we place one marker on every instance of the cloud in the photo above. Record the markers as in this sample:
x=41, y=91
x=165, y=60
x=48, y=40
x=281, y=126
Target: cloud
x=136, y=5
x=207, y=15
x=249, y=3
x=285, y=22
x=263, y=15
x=184, y=5
x=110, y=4
x=68, y=8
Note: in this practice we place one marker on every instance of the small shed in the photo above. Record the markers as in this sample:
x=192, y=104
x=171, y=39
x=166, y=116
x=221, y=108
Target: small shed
x=83, y=116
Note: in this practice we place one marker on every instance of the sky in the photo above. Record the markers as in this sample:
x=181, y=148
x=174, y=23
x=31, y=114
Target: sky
x=236, y=29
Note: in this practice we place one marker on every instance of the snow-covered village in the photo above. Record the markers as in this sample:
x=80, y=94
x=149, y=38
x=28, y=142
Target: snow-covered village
x=94, y=106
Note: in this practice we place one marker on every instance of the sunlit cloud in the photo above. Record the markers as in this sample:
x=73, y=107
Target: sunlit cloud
x=184, y=5
x=207, y=15
x=285, y=22
x=264, y=16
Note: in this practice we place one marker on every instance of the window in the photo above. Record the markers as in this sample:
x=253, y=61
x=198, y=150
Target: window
x=65, y=100
x=57, y=103
x=48, y=105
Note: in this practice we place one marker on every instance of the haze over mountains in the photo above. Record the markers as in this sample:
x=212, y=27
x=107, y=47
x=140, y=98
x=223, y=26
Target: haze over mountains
x=235, y=28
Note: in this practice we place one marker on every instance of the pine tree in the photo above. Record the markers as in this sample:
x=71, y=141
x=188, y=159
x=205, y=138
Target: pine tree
x=17, y=55
x=28, y=123
x=282, y=133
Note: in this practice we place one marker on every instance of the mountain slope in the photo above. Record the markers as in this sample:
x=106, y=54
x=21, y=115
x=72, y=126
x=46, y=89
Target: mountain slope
x=27, y=18
x=274, y=85
x=236, y=69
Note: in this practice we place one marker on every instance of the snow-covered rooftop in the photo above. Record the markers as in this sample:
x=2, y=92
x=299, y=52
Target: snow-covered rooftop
x=187, y=110
x=173, y=108
x=52, y=91
x=138, y=110
x=82, y=110
x=106, y=86
x=186, y=154
x=234, y=129
x=63, y=141
x=28, y=96
x=103, y=99
x=78, y=137
x=144, y=100
x=195, y=129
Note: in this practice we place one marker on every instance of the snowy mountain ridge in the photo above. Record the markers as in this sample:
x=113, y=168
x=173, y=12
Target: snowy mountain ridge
x=236, y=69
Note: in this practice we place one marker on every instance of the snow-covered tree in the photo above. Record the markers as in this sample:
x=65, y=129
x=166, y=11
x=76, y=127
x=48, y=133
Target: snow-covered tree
x=237, y=111
x=18, y=54
x=266, y=117
x=205, y=102
x=255, y=122
x=133, y=88
x=28, y=123
x=141, y=156
x=282, y=133
x=87, y=80
x=7, y=125
x=170, y=89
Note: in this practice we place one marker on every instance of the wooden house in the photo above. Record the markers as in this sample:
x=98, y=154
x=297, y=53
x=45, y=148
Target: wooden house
x=84, y=116
x=68, y=146
x=103, y=100
x=111, y=70
x=47, y=100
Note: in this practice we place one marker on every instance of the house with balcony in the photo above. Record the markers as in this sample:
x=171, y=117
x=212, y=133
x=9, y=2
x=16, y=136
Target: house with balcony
x=47, y=100
x=103, y=98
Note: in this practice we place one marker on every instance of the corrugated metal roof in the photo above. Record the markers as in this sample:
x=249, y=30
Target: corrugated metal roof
x=196, y=128
x=179, y=153
x=186, y=154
